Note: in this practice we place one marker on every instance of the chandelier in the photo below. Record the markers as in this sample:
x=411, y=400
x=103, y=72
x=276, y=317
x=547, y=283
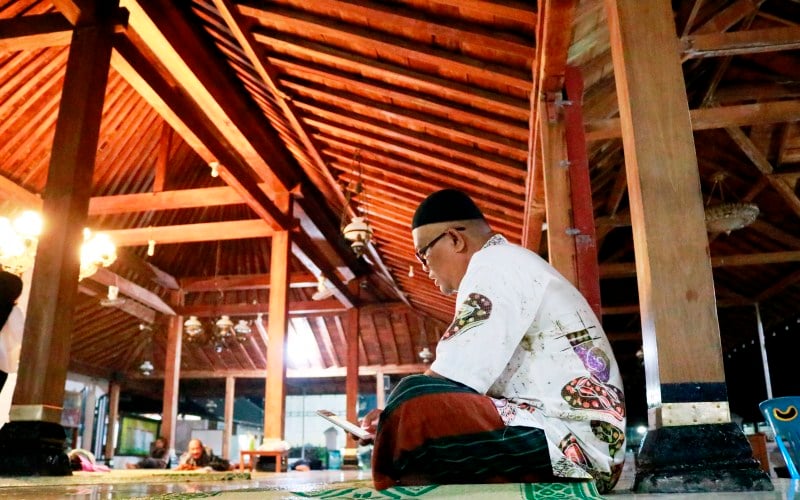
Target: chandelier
x=20, y=237
x=724, y=217
x=147, y=368
x=221, y=333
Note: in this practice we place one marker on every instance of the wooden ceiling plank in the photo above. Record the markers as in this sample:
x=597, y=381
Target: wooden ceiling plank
x=324, y=339
x=382, y=43
x=186, y=233
x=741, y=42
x=177, y=45
x=508, y=167
x=711, y=118
x=193, y=284
x=403, y=97
x=11, y=191
x=512, y=10
x=454, y=31
x=436, y=86
x=415, y=153
x=236, y=24
x=178, y=110
x=390, y=115
x=790, y=279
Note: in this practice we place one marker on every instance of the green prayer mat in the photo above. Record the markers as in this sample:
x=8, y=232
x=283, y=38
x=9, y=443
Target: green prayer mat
x=522, y=491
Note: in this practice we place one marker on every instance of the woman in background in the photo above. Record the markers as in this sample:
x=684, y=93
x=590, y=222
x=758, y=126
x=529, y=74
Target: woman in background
x=12, y=323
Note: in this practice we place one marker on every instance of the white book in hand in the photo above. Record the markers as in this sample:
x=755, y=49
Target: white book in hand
x=344, y=424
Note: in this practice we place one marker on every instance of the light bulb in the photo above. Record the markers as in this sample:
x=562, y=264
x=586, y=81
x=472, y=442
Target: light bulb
x=151, y=247
x=214, y=168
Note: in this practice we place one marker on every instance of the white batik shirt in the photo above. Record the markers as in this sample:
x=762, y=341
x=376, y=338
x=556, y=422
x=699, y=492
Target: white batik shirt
x=526, y=337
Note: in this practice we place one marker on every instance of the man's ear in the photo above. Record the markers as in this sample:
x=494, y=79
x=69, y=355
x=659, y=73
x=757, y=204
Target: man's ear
x=459, y=242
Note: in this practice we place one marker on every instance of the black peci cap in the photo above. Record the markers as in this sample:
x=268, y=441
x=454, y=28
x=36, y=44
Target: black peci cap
x=445, y=206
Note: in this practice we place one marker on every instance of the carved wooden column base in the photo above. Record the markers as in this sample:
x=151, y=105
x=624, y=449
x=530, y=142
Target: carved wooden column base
x=33, y=448
x=698, y=458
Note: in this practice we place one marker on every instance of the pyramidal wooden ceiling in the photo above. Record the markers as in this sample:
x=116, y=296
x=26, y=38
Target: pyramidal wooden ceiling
x=400, y=98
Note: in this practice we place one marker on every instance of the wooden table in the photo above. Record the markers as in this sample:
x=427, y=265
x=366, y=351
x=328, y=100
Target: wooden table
x=253, y=454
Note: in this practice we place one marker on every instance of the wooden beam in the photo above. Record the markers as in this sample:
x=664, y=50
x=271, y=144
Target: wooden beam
x=135, y=309
x=187, y=233
x=740, y=42
x=242, y=282
x=165, y=200
x=301, y=308
x=132, y=290
x=17, y=194
x=318, y=373
x=628, y=269
x=34, y=32
x=710, y=118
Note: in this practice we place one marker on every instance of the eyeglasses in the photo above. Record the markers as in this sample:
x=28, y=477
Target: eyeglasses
x=422, y=252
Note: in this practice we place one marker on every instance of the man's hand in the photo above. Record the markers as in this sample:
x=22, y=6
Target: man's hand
x=370, y=424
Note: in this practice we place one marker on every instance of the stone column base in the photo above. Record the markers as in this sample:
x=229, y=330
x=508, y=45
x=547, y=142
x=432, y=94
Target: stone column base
x=350, y=459
x=698, y=458
x=33, y=448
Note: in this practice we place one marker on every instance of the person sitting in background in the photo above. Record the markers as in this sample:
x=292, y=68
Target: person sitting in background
x=157, y=459
x=200, y=457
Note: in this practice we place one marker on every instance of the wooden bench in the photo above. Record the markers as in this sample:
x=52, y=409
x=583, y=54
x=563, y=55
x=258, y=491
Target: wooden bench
x=253, y=454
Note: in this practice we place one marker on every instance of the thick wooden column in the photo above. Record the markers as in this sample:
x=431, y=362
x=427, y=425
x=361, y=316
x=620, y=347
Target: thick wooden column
x=113, y=415
x=560, y=242
x=350, y=460
x=275, y=397
x=172, y=376
x=39, y=393
x=230, y=397
x=690, y=430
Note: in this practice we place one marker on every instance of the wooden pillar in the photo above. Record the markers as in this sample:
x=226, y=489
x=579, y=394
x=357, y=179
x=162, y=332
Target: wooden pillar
x=684, y=374
x=230, y=397
x=113, y=415
x=172, y=375
x=39, y=393
x=560, y=246
x=351, y=385
x=380, y=389
x=275, y=397
x=587, y=268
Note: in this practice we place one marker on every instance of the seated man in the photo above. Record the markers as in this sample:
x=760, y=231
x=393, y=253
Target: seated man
x=157, y=459
x=524, y=388
x=201, y=457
